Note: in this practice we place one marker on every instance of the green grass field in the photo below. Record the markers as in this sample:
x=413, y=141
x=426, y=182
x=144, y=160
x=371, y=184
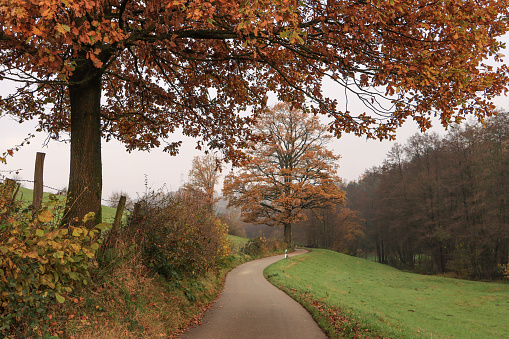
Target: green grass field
x=394, y=303
x=26, y=195
x=238, y=242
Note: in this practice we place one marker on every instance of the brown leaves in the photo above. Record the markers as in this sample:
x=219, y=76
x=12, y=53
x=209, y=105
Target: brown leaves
x=198, y=65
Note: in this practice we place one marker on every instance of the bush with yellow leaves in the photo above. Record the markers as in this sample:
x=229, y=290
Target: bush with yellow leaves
x=39, y=264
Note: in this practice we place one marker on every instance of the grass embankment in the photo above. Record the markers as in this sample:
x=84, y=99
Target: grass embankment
x=126, y=300
x=356, y=298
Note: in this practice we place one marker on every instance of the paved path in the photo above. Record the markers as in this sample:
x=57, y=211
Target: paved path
x=251, y=307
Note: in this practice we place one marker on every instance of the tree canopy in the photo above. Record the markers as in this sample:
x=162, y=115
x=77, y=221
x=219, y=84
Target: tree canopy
x=292, y=171
x=137, y=71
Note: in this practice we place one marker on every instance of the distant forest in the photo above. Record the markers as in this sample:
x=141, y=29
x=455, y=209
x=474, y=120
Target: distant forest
x=440, y=204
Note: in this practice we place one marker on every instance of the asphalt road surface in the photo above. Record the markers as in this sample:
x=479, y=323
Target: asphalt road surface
x=251, y=307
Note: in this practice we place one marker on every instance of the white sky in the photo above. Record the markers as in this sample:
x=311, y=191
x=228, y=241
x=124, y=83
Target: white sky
x=127, y=171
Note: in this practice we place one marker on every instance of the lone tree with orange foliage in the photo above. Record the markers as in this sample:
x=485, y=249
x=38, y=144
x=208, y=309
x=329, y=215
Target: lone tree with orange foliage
x=203, y=177
x=139, y=70
x=292, y=171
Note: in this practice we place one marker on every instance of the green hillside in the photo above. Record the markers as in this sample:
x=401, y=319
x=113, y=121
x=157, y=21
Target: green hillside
x=26, y=195
x=238, y=242
x=390, y=302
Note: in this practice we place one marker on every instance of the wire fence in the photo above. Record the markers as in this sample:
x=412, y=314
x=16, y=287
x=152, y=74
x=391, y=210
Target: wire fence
x=60, y=191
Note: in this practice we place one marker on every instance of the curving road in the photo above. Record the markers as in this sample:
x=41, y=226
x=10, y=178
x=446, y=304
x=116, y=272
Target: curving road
x=251, y=307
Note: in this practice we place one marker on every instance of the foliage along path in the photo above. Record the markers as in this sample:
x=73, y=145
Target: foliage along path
x=250, y=307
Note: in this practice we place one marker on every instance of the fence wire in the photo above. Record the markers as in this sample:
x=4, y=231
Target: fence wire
x=58, y=190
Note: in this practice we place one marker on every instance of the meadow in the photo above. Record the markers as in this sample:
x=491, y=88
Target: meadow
x=357, y=298
x=237, y=243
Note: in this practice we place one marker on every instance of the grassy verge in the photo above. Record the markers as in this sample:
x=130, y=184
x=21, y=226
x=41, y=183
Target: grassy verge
x=357, y=298
x=127, y=300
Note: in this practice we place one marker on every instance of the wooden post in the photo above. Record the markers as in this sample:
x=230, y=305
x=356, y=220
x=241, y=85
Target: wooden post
x=18, y=185
x=38, y=180
x=7, y=196
x=10, y=185
x=136, y=210
x=118, y=215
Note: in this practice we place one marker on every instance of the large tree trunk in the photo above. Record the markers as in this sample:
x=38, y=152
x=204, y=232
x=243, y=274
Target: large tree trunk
x=288, y=233
x=85, y=178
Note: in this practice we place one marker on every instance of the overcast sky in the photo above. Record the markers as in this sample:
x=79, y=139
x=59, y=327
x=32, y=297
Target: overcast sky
x=129, y=172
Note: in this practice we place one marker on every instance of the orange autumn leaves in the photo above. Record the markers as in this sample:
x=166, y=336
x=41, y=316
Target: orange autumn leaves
x=159, y=58
x=291, y=172
x=206, y=68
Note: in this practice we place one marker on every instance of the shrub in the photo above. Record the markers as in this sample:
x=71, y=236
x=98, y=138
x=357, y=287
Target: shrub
x=39, y=265
x=235, y=226
x=7, y=203
x=177, y=235
x=505, y=270
x=256, y=246
x=262, y=246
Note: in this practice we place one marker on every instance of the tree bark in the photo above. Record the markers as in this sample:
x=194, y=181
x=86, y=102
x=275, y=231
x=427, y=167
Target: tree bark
x=288, y=233
x=85, y=178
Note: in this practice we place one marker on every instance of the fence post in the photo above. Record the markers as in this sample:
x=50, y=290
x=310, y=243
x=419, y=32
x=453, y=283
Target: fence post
x=38, y=180
x=18, y=185
x=8, y=196
x=118, y=215
x=136, y=211
x=10, y=185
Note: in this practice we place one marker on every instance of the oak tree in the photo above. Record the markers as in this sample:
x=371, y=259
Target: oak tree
x=292, y=171
x=137, y=71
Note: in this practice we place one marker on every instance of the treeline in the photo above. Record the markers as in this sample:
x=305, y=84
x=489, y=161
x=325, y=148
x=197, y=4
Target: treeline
x=336, y=228
x=441, y=204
